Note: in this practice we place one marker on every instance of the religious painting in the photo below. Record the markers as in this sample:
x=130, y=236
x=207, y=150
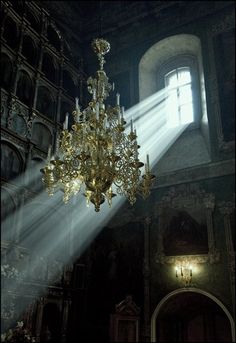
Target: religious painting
x=10, y=162
x=185, y=234
x=41, y=136
x=224, y=50
x=19, y=125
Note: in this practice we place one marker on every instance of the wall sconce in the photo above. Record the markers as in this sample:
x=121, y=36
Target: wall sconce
x=184, y=271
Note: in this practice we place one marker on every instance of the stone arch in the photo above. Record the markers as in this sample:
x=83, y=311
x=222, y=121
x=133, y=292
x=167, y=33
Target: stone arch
x=6, y=71
x=25, y=87
x=49, y=68
x=184, y=291
x=30, y=50
x=11, y=161
x=159, y=53
x=45, y=102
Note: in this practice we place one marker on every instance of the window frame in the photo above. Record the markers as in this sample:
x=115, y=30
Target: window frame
x=181, y=61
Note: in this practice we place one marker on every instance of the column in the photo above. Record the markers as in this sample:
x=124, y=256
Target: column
x=146, y=275
x=39, y=317
x=226, y=210
x=209, y=203
x=66, y=308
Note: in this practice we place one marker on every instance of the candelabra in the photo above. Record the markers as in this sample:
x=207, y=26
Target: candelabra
x=97, y=156
x=185, y=272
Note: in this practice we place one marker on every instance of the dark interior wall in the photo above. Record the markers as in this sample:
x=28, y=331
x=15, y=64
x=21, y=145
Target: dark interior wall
x=113, y=264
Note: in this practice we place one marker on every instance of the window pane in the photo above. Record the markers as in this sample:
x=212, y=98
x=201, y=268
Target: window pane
x=184, y=76
x=179, y=104
x=171, y=79
x=185, y=94
x=186, y=112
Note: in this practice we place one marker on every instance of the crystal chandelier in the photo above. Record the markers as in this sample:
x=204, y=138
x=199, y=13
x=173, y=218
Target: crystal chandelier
x=96, y=156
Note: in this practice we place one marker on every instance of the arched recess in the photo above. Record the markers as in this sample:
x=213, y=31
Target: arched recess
x=11, y=161
x=186, y=291
x=49, y=68
x=29, y=50
x=41, y=135
x=45, y=102
x=53, y=37
x=24, y=88
x=173, y=48
x=10, y=31
x=6, y=71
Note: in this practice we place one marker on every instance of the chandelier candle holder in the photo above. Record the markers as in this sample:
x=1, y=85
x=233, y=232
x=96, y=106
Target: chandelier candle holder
x=185, y=272
x=96, y=156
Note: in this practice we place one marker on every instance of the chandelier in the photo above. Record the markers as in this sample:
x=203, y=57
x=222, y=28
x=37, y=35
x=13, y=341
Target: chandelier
x=96, y=156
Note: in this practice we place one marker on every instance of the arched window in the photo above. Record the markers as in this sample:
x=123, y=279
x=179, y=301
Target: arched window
x=24, y=88
x=5, y=72
x=29, y=50
x=179, y=72
x=171, y=76
x=45, y=102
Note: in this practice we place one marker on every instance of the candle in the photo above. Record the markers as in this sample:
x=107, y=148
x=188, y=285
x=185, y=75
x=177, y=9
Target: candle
x=94, y=94
x=65, y=125
x=148, y=167
x=49, y=152
x=97, y=110
x=113, y=86
x=122, y=112
x=117, y=99
x=118, y=117
x=76, y=103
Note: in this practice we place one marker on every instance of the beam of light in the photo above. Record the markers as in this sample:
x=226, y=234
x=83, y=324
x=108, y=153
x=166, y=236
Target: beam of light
x=54, y=230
